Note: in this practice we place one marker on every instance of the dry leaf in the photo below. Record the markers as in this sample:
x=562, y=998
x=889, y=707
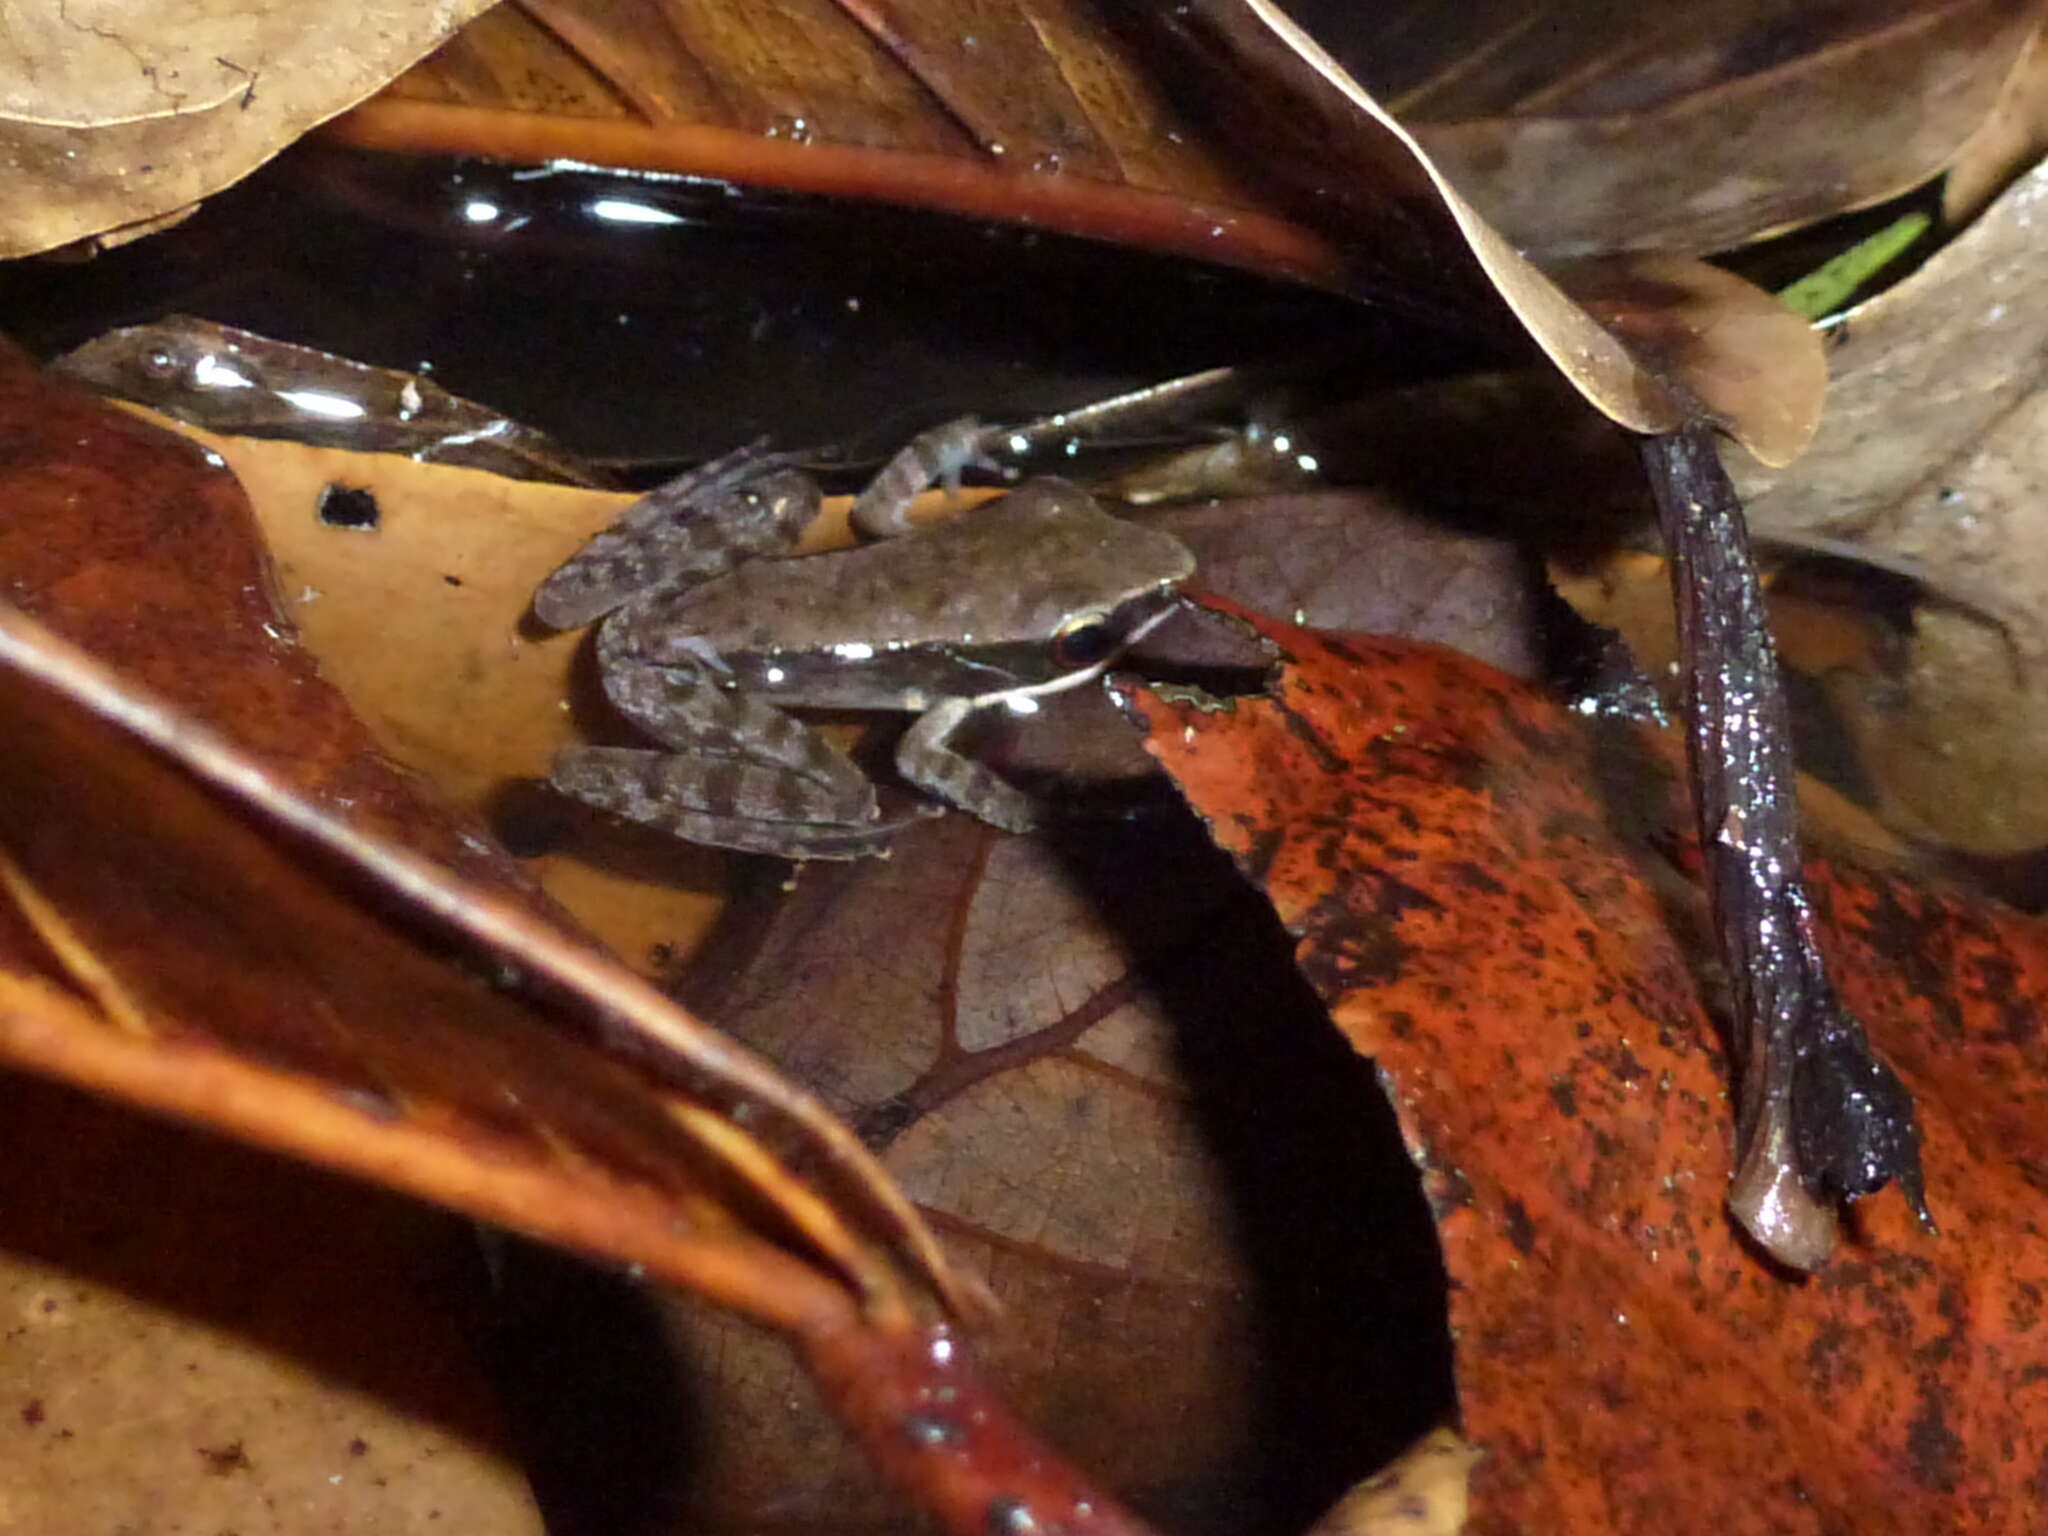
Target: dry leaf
x=1931, y=455
x=115, y=112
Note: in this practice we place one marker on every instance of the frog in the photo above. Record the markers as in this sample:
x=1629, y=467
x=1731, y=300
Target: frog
x=710, y=629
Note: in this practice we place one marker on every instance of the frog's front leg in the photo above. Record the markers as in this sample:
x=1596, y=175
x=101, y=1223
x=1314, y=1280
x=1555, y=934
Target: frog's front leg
x=926, y=758
x=739, y=773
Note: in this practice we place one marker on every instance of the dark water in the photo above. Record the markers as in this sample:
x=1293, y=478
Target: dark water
x=658, y=319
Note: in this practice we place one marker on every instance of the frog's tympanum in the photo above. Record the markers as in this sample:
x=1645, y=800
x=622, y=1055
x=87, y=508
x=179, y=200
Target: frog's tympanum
x=710, y=628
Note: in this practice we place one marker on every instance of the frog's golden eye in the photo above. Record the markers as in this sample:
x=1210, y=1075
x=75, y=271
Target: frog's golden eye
x=1085, y=640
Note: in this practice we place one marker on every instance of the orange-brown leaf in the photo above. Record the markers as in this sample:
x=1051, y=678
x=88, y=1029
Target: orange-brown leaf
x=1474, y=873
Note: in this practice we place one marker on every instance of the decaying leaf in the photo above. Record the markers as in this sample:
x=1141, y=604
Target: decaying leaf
x=115, y=112
x=1485, y=889
x=2009, y=141
x=194, y=617
x=1049, y=1040
x=227, y=981
x=1420, y=1493
x=1920, y=372
x=236, y=381
x=276, y=971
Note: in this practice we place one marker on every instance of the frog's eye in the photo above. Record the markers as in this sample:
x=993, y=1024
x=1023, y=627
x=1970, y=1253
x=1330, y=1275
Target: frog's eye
x=160, y=363
x=1085, y=640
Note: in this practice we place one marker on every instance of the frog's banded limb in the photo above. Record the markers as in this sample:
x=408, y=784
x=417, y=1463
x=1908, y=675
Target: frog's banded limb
x=696, y=526
x=657, y=788
x=882, y=510
x=926, y=758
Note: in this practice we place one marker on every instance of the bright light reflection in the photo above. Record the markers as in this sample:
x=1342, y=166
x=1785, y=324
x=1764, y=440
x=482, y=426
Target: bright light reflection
x=211, y=373
x=318, y=402
x=478, y=211
x=623, y=210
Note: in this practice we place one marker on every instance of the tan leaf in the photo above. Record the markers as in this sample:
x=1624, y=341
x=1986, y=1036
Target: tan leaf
x=114, y=112
x=1931, y=456
x=303, y=1018
x=200, y=1327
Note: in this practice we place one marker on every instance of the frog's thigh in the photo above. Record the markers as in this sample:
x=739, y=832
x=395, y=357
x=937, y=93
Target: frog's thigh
x=683, y=707
x=924, y=757
x=664, y=788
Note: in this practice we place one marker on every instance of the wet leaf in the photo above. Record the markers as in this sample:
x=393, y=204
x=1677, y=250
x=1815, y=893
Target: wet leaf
x=1049, y=1040
x=1486, y=893
x=1420, y=1493
x=239, y=382
x=275, y=971
x=1046, y=1040
x=117, y=113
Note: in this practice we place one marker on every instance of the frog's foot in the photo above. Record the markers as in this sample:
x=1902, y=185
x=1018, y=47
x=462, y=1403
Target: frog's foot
x=727, y=803
x=696, y=526
x=882, y=510
x=926, y=758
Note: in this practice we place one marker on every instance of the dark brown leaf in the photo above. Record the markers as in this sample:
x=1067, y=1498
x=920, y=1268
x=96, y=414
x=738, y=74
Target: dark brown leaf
x=1586, y=126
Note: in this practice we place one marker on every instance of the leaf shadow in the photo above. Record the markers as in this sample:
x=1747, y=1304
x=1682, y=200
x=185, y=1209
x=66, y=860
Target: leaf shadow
x=1348, y=1279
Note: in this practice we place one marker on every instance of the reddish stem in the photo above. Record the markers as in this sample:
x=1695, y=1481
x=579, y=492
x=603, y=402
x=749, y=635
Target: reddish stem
x=940, y=1434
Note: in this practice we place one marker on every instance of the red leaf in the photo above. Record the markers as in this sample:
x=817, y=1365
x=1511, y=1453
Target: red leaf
x=1501, y=933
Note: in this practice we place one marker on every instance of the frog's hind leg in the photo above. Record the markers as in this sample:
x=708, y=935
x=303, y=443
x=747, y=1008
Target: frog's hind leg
x=682, y=702
x=697, y=526
x=925, y=756
x=701, y=801
x=882, y=510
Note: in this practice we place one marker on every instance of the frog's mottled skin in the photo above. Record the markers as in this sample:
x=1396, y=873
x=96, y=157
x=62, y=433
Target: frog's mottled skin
x=705, y=640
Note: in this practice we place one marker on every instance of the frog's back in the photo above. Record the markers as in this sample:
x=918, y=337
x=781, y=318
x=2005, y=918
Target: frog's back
x=1013, y=570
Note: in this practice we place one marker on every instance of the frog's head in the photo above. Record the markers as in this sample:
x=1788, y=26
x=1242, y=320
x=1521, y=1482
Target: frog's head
x=1077, y=585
